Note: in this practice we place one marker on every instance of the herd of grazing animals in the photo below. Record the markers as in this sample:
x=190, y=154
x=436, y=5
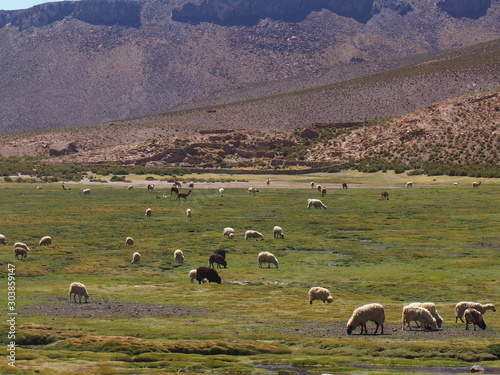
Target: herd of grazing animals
x=424, y=315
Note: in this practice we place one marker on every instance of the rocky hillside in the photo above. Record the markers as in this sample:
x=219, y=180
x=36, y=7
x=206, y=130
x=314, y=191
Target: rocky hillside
x=68, y=64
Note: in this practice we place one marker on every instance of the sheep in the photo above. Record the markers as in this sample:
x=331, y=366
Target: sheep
x=321, y=294
x=130, y=187
x=475, y=317
x=22, y=246
x=455, y=184
x=418, y=314
x=409, y=184
x=319, y=187
x=385, y=195
x=136, y=258
x=371, y=312
x=221, y=192
x=267, y=257
x=476, y=184
x=148, y=212
x=464, y=305
x=39, y=187
x=20, y=253
x=227, y=231
x=45, y=241
x=179, y=256
x=3, y=239
x=221, y=252
x=278, y=232
x=192, y=275
x=253, y=234
x=316, y=203
x=129, y=241
x=230, y=235
x=252, y=190
x=217, y=258
x=207, y=273
x=312, y=185
x=432, y=309
x=189, y=213
x=86, y=191
x=78, y=289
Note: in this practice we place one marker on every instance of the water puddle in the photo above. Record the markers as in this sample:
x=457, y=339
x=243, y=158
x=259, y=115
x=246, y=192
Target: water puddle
x=432, y=370
x=375, y=247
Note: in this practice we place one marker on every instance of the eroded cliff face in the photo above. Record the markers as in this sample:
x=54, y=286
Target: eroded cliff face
x=96, y=12
x=465, y=8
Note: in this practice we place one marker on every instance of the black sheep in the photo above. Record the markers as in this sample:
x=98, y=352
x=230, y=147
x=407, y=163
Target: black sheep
x=207, y=273
x=217, y=258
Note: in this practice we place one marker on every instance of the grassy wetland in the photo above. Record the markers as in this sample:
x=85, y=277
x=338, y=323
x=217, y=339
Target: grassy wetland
x=432, y=242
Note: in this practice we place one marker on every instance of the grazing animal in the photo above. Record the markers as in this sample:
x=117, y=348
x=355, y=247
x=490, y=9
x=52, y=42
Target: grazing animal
x=207, y=273
x=253, y=234
x=78, y=289
x=191, y=185
x=384, y=195
x=464, y=305
x=227, y=232
x=344, y=185
x=432, y=309
x=455, y=184
x=323, y=191
x=136, y=258
x=372, y=312
x=20, y=253
x=321, y=294
x=316, y=203
x=267, y=257
x=22, y=246
x=182, y=195
x=177, y=183
x=319, y=187
x=476, y=184
x=86, y=191
x=192, y=275
x=418, y=314
x=151, y=187
x=39, y=187
x=252, y=190
x=222, y=252
x=221, y=192
x=409, y=184
x=130, y=187
x=179, y=256
x=174, y=189
x=129, y=241
x=312, y=185
x=268, y=181
x=217, y=259
x=65, y=188
x=45, y=241
x=475, y=317
x=189, y=213
x=278, y=232
x=148, y=212
x=3, y=239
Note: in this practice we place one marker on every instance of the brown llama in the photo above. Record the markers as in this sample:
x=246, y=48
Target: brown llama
x=182, y=195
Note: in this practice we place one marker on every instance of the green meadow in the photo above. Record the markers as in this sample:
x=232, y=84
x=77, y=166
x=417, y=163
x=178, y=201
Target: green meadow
x=432, y=242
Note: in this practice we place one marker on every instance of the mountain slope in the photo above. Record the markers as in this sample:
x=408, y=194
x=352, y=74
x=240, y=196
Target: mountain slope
x=71, y=64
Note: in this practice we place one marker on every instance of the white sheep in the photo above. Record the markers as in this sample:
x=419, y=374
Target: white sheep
x=221, y=192
x=192, y=275
x=316, y=203
x=189, y=212
x=253, y=234
x=432, y=309
x=464, y=305
x=455, y=184
x=78, y=289
x=45, y=241
x=227, y=232
x=130, y=187
x=413, y=313
x=372, y=312
x=148, y=212
x=252, y=190
x=86, y=191
x=129, y=241
x=267, y=257
x=321, y=294
x=3, y=239
x=22, y=246
x=475, y=317
x=409, y=184
x=136, y=258
x=278, y=232
x=179, y=256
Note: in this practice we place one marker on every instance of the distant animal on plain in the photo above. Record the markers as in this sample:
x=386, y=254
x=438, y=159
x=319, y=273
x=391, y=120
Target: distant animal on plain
x=476, y=184
x=182, y=195
x=384, y=195
x=344, y=185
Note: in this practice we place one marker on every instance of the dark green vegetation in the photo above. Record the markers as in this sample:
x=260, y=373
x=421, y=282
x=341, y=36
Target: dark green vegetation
x=433, y=243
